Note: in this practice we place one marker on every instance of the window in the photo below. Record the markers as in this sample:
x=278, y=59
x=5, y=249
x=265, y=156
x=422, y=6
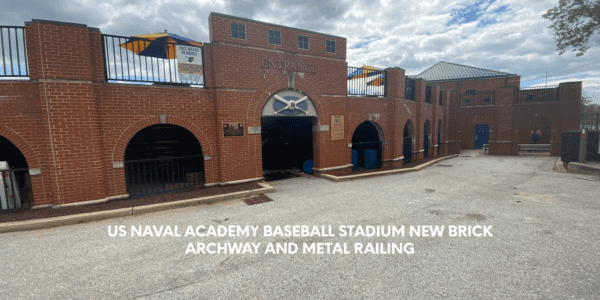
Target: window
x=302, y=42
x=529, y=97
x=275, y=37
x=467, y=101
x=330, y=46
x=238, y=31
x=487, y=100
x=440, y=98
x=470, y=92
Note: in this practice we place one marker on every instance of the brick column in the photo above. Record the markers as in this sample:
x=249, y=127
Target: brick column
x=435, y=96
x=555, y=143
x=502, y=136
x=63, y=57
x=395, y=90
x=420, y=86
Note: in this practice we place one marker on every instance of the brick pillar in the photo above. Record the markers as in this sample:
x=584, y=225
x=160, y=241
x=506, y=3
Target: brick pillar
x=503, y=138
x=63, y=56
x=445, y=121
x=555, y=140
x=569, y=91
x=420, y=85
x=395, y=90
x=435, y=96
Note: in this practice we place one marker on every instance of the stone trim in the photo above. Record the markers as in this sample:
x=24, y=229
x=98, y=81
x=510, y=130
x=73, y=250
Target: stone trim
x=111, y=198
x=242, y=181
x=332, y=168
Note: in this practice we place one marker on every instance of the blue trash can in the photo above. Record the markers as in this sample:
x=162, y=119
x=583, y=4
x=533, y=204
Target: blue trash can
x=354, y=159
x=370, y=159
x=308, y=166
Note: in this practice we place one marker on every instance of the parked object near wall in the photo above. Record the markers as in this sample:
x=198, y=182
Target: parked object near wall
x=580, y=146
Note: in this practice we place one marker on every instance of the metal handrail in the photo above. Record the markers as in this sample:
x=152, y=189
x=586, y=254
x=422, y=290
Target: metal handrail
x=13, y=52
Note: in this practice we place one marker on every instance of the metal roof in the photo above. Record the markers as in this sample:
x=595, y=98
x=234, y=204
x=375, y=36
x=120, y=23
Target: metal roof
x=450, y=71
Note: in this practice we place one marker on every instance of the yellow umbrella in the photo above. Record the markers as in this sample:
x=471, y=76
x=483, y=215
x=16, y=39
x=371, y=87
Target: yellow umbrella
x=161, y=45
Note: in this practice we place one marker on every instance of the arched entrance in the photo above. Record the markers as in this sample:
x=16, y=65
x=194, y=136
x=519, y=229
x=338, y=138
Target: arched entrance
x=408, y=141
x=163, y=158
x=439, y=137
x=367, y=145
x=15, y=183
x=426, y=138
x=286, y=133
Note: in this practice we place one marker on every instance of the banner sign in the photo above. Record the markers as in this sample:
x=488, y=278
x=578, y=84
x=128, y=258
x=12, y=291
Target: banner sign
x=189, y=64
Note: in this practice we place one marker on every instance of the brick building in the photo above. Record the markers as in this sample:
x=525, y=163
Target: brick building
x=271, y=97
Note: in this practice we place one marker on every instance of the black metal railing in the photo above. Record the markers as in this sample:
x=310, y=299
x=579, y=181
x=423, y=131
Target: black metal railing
x=13, y=52
x=409, y=94
x=538, y=94
x=123, y=63
x=477, y=98
x=366, y=155
x=164, y=175
x=428, y=94
x=15, y=190
x=366, y=82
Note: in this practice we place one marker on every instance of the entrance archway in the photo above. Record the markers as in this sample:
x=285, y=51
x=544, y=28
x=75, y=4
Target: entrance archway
x=286, y=135
x=426, y=138
x=408, y=142
x=15, y=183
x=367, y=145
x=163, y=158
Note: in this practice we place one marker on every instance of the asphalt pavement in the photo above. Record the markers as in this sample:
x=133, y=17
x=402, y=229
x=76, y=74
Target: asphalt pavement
x=545, y=229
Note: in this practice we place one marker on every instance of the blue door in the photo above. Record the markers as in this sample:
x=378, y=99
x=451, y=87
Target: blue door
x=482, y=135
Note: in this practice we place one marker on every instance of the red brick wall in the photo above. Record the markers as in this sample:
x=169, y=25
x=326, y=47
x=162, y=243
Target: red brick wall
x=70, y=123
x=257, y=35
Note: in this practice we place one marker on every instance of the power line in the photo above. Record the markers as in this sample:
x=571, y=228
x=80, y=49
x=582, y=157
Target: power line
x=564, y=72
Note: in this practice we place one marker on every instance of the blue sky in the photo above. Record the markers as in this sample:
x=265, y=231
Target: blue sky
x=503, y=35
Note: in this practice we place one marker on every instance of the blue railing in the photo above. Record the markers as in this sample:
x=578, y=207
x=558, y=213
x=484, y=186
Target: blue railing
x=366, y=81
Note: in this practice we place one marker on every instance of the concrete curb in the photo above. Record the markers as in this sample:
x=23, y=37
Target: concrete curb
x=382, y=173
x=123, y=212
x=579, y=168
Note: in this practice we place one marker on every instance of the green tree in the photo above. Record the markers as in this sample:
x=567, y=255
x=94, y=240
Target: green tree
x=574, y=22
x=589, y=103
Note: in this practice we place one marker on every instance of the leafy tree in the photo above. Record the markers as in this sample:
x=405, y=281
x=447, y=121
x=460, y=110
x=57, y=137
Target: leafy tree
x=589, y=103
x=574, y=22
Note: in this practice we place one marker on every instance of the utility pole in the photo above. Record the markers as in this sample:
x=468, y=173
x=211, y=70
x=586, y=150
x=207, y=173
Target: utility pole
x=546, y=78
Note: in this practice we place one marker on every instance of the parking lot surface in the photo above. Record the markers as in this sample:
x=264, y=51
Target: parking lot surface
x=545, y=227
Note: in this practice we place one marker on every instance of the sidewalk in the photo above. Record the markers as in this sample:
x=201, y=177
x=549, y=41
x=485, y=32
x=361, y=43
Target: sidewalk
x=38, y=219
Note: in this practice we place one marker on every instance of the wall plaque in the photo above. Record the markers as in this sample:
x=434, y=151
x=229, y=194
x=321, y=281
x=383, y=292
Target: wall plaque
x=233, y=129
x=337, y=127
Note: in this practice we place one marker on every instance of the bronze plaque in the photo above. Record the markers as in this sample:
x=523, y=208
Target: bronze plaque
x=337, y=127
x=233, y=129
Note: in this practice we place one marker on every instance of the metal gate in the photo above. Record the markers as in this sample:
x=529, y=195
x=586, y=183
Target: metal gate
x=407, y=150
x=15, y=190
x=164, y=175
x=366, y=155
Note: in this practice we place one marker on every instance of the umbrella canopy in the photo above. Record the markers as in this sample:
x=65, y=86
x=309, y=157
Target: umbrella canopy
x=364, y=71
x=161, y=45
